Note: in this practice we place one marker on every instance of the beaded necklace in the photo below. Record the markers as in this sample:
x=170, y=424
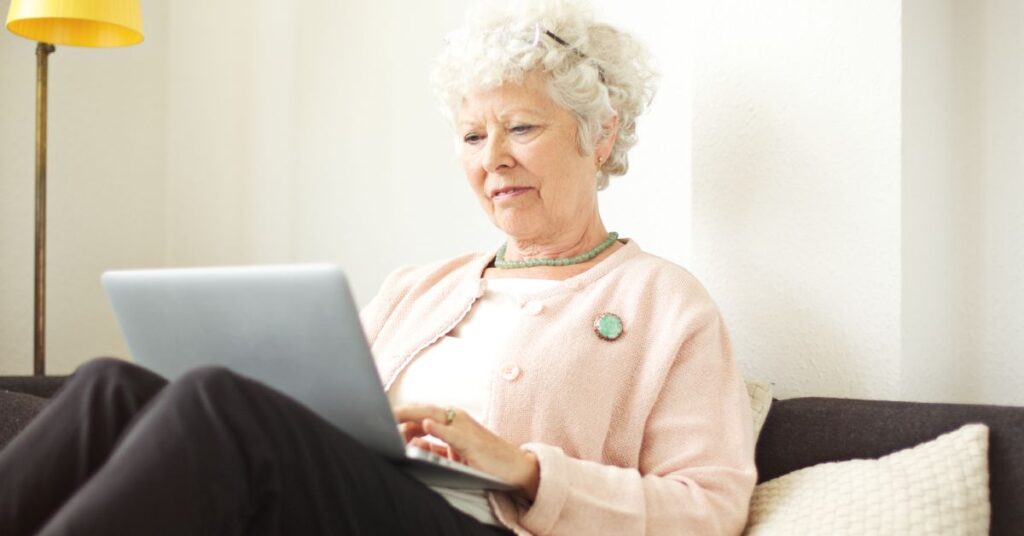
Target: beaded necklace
x=500, y=262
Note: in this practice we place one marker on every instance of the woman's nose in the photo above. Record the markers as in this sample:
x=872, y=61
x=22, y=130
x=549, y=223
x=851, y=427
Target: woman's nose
x=496, y=154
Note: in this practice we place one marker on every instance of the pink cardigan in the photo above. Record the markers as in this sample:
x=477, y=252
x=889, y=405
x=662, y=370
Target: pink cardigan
x=647, y=434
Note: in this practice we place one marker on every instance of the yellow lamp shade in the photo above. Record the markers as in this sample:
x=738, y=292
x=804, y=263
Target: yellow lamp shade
x=80, y=23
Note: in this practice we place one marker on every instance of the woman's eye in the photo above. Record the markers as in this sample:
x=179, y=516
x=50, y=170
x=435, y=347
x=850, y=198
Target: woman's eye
x=471, y=139
x=521, y=129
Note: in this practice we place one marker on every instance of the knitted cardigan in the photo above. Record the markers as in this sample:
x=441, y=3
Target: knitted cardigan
x=646, y=434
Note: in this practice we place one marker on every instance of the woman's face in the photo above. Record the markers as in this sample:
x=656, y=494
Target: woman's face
x=518, y=150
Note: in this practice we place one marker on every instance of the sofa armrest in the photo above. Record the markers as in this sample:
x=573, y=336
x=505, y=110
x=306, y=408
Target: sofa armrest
x=41, y=386
x=21, y=398
x=802, y=432
x=16, y=410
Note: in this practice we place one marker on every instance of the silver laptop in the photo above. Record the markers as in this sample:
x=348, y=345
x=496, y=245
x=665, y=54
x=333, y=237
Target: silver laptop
x=293, y=327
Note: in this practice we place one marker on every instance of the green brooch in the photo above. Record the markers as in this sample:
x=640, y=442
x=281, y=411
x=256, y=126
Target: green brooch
x=608, y=326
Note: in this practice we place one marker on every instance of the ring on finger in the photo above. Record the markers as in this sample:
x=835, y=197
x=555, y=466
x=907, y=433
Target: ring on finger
x=449, y=416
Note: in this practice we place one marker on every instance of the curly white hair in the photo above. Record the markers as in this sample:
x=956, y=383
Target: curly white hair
x=593, y=70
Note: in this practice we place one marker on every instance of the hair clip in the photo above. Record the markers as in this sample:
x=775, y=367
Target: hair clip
x=537, y=29
x=563, y=42
x=536, y=40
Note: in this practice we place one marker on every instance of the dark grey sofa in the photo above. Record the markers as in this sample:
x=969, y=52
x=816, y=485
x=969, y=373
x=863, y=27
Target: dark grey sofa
x=799, y=432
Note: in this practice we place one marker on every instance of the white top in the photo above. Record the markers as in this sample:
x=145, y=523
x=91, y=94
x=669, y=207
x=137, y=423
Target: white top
x=456, y=370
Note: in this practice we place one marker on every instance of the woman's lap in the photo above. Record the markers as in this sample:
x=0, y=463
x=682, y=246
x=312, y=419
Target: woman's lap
x=217, y=453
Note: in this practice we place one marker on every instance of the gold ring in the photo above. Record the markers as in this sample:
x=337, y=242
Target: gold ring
x=449, y=416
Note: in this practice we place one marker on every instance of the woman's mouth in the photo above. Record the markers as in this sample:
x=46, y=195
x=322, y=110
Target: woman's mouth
x=508, y=193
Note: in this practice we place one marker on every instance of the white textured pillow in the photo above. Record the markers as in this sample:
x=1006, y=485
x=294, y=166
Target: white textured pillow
x=760, y=402
x=939, y=487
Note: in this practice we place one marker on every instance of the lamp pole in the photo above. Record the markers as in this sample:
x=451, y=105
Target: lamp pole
x=81, y=23
x=43, y=51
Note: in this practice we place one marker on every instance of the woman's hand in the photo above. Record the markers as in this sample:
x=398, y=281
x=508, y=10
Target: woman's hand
x=472, y=443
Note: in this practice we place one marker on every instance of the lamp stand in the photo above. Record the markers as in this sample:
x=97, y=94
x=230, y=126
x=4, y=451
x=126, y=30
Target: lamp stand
x=43, y=51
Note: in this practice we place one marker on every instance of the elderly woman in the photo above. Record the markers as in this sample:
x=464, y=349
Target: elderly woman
x=594, y=377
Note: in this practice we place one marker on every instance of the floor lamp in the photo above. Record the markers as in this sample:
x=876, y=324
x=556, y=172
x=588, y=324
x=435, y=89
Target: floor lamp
x=81, y=23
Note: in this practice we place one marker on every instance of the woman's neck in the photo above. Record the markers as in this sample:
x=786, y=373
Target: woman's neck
x=561, y=246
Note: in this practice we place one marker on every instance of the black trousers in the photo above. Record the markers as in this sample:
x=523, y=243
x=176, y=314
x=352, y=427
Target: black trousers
x=120, y=451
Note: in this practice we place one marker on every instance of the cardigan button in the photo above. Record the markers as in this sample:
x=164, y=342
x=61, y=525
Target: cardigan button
x=510, y=372
x=533, y=308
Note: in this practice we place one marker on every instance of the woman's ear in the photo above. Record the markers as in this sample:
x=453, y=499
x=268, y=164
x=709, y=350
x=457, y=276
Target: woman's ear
x=609, y=133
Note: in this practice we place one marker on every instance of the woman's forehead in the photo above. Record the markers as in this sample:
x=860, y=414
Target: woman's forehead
x=511, y=98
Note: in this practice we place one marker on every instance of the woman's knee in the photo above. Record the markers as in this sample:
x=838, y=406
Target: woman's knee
x=208, y=394
x=110, y=370
x=207, y=376
x=101, y=366
x=115, y=379
x=212, y=383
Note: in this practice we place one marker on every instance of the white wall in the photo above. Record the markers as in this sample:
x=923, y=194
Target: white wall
x=105, y=183
x=942, y=166
x=651, y=203
x=796, y=188
x=1002, y=223
x=856, y=181
x=229, y=139
x=378, y=184
x=307, y=132
x=963, y=229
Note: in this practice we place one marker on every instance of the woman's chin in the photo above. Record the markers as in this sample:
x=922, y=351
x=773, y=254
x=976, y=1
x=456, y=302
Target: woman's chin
x=517, y=222
x=519, y=230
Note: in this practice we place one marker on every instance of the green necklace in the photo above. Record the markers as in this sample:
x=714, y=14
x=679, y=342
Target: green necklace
x=500, y=262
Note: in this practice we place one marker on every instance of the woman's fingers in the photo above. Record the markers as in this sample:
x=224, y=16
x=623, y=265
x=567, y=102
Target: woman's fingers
x=423, y=444
x=418, y=412
x=462, y=433
x=439, y=449
x=469, y=442
x=439, y=430
x=427, y=419
x=411, y=430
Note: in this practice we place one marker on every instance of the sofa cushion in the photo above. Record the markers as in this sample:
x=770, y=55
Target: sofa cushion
x=939, y=487
x=17, y=410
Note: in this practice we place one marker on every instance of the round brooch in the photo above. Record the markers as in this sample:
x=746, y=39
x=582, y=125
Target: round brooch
x=608, y=326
